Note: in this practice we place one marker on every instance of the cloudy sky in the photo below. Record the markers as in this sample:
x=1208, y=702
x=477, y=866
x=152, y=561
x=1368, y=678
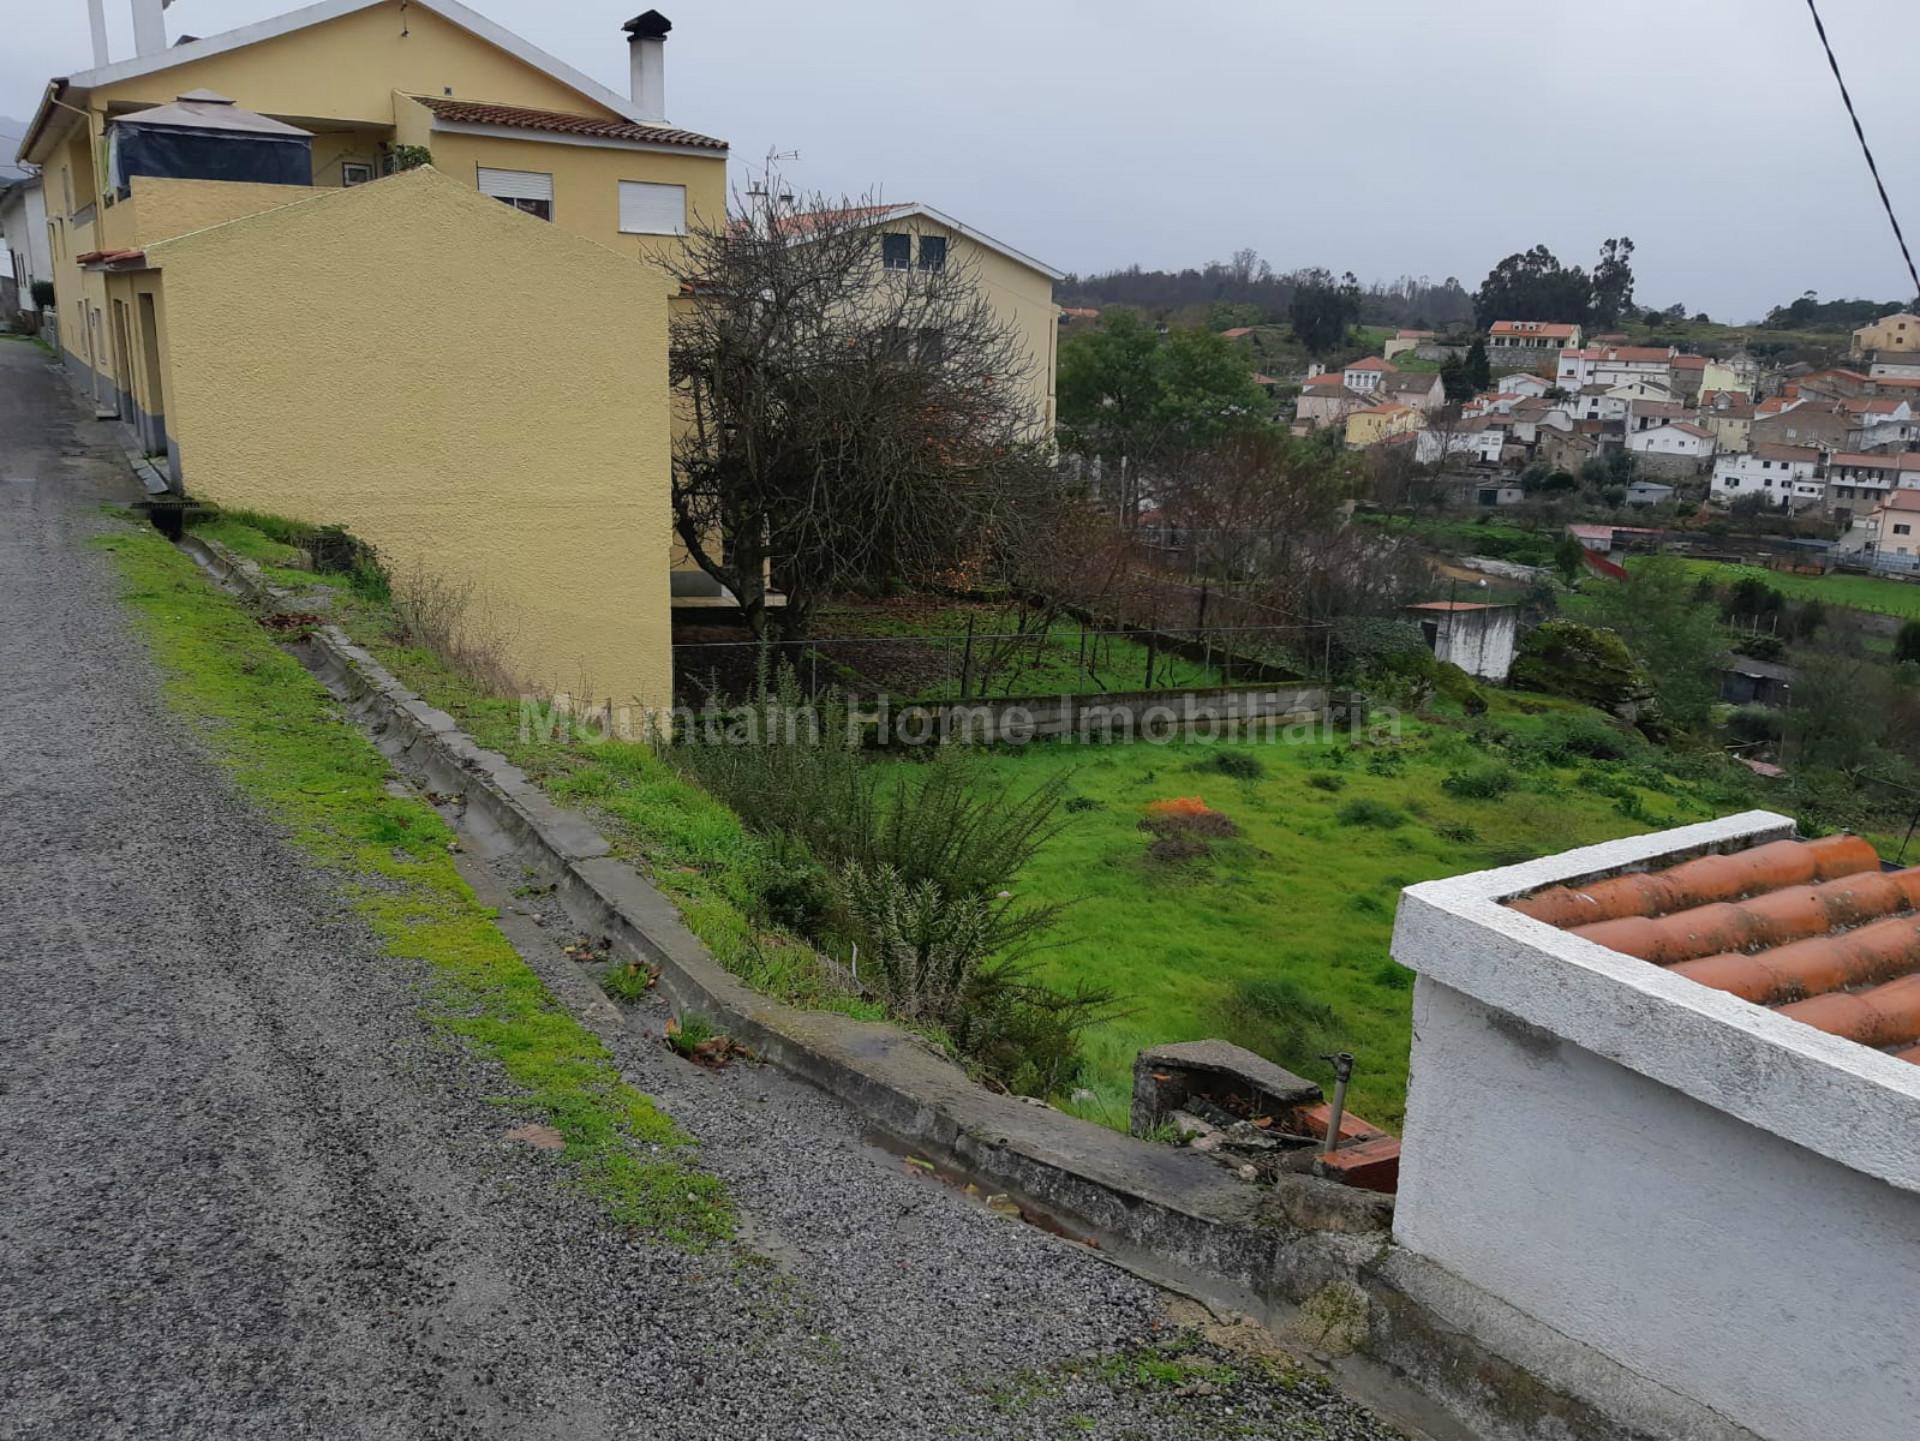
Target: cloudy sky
x=1424, y=137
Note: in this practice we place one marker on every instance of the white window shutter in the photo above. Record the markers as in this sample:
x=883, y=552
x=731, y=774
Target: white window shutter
x=650, y=209
x=516, y=184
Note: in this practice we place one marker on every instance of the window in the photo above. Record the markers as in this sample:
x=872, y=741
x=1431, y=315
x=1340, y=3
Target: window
x=933, y=252
x=933, y=346
x=1903, y=530
x=896, y=250
x=355, y=172
x=528, y=190
x=650, y=209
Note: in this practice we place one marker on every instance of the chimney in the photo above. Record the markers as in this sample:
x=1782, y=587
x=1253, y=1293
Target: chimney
x=647, y=52
x=97, y=22
x=149, y=28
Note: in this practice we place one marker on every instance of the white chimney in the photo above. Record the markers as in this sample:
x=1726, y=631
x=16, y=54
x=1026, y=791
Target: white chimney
x=647, y=53
x=149, y=27
x=97, y=22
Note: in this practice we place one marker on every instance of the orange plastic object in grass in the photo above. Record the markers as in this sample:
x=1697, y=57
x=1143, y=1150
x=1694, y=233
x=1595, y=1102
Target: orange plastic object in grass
x=1180, y=806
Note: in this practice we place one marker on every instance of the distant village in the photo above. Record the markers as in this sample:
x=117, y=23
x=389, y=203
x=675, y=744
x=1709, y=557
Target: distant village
x=1839, y=442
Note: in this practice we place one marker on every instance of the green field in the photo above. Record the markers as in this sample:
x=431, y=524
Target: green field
x=1193, y=949
x=1876, y=594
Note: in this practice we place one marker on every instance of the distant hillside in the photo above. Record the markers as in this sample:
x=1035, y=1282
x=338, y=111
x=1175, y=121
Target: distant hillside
x=1247, y=291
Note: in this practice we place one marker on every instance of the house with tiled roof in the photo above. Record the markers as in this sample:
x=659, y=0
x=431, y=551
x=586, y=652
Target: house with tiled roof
x=1421, y=389
x=1890, y=530
x=1729, y=415
x=1369, y=425
x=249, y=227
x=1858, y=480
x=1615, y=365
x=1672, y=447
x=1783, y=476
x=1325, y=399
x=1364, y=375
x=1532, y=335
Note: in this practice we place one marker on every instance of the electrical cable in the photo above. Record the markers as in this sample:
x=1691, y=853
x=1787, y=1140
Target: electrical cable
x=1879, y=185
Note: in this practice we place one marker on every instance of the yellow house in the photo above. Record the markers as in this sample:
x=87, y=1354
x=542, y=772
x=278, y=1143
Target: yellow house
x=1372, y=424
x=464, y=363
x=377, y=85
x=1018, y=288
x=1899, y=333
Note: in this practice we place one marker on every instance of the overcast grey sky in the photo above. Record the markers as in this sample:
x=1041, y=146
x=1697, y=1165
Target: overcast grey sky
x=1389, y=137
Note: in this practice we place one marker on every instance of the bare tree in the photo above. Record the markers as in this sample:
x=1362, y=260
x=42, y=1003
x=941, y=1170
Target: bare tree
x=855, y=413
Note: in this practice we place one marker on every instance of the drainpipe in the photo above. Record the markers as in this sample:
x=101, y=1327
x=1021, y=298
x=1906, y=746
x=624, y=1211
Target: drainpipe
x=1342, y=1062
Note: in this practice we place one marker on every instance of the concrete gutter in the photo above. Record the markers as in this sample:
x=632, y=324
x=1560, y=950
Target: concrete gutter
x=1310, y=1257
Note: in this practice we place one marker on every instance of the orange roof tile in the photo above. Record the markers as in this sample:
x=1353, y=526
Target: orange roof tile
x=1812, y=928
x=516, y=117
x=1372, y=362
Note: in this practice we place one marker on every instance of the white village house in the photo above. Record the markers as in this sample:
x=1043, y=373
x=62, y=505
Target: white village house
x=1675, y=447
x=1785, y=476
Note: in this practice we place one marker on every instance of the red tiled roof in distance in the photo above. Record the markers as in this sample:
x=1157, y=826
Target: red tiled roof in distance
x=516, y=117
x=1372, y=362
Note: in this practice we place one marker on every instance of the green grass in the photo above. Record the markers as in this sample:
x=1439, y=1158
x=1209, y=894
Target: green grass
x=1872, y=593
x=26, y=340
x=289, y=749
x=1283, y=932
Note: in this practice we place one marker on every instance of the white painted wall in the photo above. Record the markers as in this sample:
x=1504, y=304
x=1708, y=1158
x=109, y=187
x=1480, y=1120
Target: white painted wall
x=23, y=235
x=1769, y=1283
x=1721, y=1200
x=1480, y=642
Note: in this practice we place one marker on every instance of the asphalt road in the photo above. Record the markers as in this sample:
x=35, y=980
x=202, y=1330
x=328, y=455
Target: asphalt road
x=244, y=1190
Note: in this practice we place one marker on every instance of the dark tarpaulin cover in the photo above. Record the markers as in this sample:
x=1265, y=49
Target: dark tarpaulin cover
x=176, y=152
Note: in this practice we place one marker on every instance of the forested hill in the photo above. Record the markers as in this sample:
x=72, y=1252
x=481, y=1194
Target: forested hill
x=1247, y=291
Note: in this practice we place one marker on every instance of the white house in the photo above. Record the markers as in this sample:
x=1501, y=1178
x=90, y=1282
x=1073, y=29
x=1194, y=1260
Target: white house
x=1677, y=447
x=1691, y=1190
x=1364, y=375
x=1479, y=436
x=1785, y=476
x=1644, y=414
x=23, y=235
x=1326, y=400
x=1895, y=367
x=1615, y=366
x=1521, y=382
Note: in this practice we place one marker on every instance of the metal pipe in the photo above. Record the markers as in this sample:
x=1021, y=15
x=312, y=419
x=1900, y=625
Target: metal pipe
x=1342, y=1063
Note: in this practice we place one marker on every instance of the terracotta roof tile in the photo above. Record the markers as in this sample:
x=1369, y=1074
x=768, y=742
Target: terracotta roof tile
x=481, y=112
x=1812, y=928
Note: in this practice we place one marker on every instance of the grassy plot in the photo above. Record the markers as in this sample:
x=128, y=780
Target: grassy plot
x=281, y=735
x=1277, y=937
x=1876, y=594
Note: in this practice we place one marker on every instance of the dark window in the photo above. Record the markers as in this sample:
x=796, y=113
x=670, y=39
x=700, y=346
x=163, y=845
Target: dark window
x=896, y=251
x=541, y=208
x=933, y=347
x=933, y=252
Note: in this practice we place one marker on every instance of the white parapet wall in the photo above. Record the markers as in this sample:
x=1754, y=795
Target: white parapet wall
x=1722, y=1202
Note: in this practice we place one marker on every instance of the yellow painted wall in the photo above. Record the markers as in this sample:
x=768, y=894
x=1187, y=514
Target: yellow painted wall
x=1369, y=427
x=1899, y=332
x=586, y=182
x=160, y=209
x=1020, y=295
x=348, y=69
x=328, y=360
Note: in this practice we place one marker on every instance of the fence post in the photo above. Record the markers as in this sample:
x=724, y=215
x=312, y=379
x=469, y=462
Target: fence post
x=966, y=661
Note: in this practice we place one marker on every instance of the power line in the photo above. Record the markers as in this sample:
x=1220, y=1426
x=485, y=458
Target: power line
x=1879, y=185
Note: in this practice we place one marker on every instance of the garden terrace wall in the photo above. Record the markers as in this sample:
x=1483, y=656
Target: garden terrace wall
x=1223, y=710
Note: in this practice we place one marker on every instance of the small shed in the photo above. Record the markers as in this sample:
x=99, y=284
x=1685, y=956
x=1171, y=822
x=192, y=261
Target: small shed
x=1477, y=637
x=1746, y=681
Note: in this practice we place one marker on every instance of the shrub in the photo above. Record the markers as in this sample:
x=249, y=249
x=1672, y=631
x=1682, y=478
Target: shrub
x=1755, y=724
x=1585, y=735
x=1238, y=764
x=1481, y=782
x=1582, y=662
x=42, y=292
x=794, y=890
x=1386, y=763
x=1363, y=811
x=1183, y=827
x=1328, y=783
x=1459, y=832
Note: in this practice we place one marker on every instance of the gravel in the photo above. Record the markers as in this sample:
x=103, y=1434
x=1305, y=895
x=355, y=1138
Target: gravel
x=246, y=1191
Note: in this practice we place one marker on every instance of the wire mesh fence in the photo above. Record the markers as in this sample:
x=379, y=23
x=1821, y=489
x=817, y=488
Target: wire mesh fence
x=1054, y=656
